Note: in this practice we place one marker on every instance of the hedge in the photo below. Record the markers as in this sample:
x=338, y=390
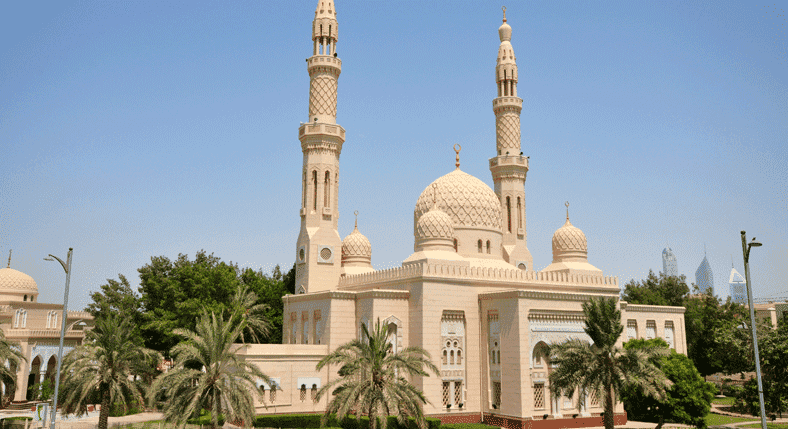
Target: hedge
x=351, y=422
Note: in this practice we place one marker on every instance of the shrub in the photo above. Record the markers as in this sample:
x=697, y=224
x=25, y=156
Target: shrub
x=351, y=422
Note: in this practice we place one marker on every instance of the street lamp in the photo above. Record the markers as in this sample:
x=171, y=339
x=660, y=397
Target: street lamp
x=67, y=268
x=745, y=248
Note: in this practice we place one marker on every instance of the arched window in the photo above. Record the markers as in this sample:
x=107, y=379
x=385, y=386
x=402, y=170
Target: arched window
x=303, y=392
x=326, y=189
x=509, y=213
x=25, y=298
x=459, y=357
x=451, y=357
x=479, y=245
x=314, y=190
x=314, y=392
x=455, y=245
x=519, y=214
x=303, y=204
x=445, y=357
x=488, y=246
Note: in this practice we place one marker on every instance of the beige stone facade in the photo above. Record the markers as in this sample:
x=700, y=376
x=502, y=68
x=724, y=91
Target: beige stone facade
x=35, y=327
x=468, y=294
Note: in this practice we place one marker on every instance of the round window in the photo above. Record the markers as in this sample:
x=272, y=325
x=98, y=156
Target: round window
x=521, y=266
x=325, y=253
x=301, y=254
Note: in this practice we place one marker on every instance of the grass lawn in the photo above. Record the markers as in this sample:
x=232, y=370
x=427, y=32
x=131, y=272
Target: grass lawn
x=768, y=425
x=723, y=401
x=719, y=420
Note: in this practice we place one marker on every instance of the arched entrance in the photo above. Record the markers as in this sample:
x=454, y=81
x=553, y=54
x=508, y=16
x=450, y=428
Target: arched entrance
x=32, y=379
x=51, y=370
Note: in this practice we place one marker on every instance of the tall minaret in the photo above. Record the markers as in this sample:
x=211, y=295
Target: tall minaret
x=319, y=248
x=509, y=167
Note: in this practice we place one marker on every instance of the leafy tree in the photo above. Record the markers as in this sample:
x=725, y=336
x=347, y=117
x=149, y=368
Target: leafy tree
x=717, y=334
x=104, y=365
x=601, y=367
x=9, y=352
x=773, y=350
x=269, y=291
x=372, y=379
x=687, y=401
x=208, y=375
x=116, y=297
x=657, y=290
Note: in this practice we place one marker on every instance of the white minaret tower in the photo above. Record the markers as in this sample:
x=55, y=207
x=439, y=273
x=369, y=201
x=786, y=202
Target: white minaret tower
x=319, y=248
x=509, y=167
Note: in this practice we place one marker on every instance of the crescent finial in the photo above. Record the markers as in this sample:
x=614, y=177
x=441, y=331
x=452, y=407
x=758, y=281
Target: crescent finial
x=567, y=210
x=457, y=149
x=356, y=214
x=504, y=13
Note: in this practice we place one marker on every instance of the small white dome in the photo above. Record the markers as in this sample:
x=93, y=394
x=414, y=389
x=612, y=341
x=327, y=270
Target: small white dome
x=355, y=246
x=569, y=244
x=435, y=224
x=505, y=32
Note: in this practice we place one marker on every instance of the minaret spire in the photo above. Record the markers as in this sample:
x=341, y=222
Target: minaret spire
x=321, y=143
x=509, y=167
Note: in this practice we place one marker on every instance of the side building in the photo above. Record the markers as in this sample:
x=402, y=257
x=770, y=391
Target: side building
x=35, y=328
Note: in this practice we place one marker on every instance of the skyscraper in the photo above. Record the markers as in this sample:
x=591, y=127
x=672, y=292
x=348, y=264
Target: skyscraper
x=669, y=265
x=738, y=287
x=704, y=277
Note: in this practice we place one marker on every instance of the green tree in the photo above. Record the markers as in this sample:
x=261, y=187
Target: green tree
x=773, y=350
x=116, y=297
x=269, y=290
x=104, y=366
x=9, y=352
x=602, y=367
x=208, y=375
x=657, y=290
x=717, y=334
x=687, y=401
x=372, y=379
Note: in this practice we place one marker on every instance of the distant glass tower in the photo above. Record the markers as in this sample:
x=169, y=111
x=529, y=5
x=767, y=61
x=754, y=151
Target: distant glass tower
x=669, y=265
x=738, y=287
x=704, y=277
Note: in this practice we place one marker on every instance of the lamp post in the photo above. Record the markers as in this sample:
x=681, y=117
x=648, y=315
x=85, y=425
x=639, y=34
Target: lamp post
x=67, y=268
x=745, y=248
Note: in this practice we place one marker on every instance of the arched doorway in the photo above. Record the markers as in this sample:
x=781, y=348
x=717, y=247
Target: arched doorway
x=32, y=379
x=51, y=370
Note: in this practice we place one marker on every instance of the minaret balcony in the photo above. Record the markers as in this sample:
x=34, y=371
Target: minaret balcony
x=502, y=104
x=514, y=160
x=509, y=167
x=317, y=128
x=328, y=62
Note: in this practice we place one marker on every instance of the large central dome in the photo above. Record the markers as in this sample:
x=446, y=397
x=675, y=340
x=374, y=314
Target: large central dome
x=467, y=200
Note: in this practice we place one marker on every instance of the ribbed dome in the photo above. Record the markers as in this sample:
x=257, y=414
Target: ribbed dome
x=12, y=280
x=569, y=243
x=465, y=199
x=505, y=32
x=434, y=224
x=356, y=245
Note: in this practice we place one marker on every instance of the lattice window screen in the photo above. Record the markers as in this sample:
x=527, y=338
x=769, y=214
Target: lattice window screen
x=303, y=392
x=445, y=393
x=458, y=392
x=272, y=395
x=632, y=329
x=496, y=393
x=539, y=396
x=594, y=399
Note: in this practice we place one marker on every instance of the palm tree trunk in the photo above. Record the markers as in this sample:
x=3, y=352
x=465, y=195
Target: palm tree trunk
x=215, y=411
x=661, y=422
x=608, y=419
x=104, y=413
x=373, y=421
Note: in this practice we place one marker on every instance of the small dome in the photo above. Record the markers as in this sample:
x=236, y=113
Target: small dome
x=356, y=245
x=13, y=281
x=505, y=32
x=569, y=243
x=468, y=201
x=435, y=224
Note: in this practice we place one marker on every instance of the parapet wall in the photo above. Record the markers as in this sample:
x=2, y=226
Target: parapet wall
x=464, y=272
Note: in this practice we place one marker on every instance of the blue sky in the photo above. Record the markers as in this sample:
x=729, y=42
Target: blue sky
x=138, y=129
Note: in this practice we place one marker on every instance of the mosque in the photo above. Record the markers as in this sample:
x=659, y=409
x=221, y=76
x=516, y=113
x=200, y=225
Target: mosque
x=35, y=328
x=468, y=294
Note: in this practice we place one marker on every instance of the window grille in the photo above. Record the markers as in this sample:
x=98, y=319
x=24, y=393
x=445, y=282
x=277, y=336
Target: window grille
x=458, y=392
x=651, y=330
x=445, y=393
x=303, y=392
x=594, y=399
x=272, y=395
x=632, y=329
x=539, y=396
x=496, y=393
x=314, y=393
x=669, y=334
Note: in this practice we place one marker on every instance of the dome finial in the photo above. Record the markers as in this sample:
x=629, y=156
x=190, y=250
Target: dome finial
x=356, y=214
x=504, y=13
x=567, y=210
x=457, y=149
x=9, y=258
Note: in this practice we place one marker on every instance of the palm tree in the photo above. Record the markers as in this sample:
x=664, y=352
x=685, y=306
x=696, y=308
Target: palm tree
x=602, y=368
x=208, y=375
x=245, y=309
x=104, y=366
x=372, y=379
x=10, y=354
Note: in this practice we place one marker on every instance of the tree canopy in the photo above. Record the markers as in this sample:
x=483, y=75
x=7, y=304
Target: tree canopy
x=657, y=290
x=687, y=401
